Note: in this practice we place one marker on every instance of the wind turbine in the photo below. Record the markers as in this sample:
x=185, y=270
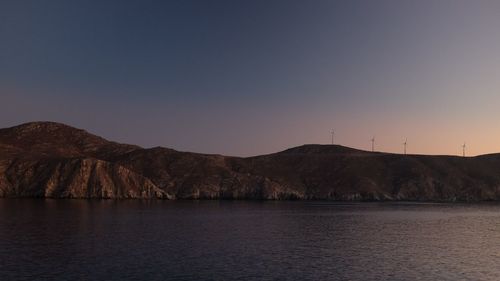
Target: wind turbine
x=333, y=134
x=405, y=143
x=463, y=150
x=373, y=143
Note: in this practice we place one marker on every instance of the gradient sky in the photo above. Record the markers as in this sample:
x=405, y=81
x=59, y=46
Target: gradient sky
x=252, y=77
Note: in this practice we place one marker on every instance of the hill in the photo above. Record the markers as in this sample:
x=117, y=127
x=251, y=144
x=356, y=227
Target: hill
x=46, y=159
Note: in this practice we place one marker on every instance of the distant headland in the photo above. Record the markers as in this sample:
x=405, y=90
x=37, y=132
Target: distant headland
x=53, y=160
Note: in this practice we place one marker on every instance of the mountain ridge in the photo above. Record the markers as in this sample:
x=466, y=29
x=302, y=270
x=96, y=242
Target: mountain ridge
x=54, y=160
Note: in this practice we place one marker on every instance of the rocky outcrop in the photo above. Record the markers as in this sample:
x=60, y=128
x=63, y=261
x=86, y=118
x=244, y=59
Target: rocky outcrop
x=46, y=159
x=75, y=178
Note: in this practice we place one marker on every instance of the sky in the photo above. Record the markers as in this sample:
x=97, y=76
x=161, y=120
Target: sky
x=254, y=77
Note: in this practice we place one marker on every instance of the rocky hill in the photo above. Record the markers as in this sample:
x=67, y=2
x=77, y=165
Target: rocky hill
x=46, y=159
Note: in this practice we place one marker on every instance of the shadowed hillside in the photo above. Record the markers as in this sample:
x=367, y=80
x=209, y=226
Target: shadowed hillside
x=46, y=159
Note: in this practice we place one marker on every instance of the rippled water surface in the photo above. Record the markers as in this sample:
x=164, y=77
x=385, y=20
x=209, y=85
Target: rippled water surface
x=238, y=240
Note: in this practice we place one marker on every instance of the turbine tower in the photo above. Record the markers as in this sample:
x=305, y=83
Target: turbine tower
x=405, y=143
x=333, y=134
x=463, y=150
x=373, y=143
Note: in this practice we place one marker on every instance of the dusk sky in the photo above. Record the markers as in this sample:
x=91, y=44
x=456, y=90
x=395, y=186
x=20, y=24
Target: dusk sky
x=253, y=77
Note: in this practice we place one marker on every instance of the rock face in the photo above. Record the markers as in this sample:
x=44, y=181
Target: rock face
x=46, y=159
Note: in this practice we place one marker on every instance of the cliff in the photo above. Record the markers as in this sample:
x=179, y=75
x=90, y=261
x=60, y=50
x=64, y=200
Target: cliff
x=46, y=159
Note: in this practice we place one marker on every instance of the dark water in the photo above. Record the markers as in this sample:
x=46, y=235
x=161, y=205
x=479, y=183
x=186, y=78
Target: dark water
x=162, y=240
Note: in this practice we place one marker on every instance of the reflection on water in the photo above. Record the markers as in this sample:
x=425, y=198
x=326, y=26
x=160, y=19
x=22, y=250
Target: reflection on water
x=241, y=240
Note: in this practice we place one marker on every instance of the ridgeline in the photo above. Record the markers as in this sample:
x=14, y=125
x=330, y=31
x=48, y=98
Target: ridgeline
x=53, y=160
